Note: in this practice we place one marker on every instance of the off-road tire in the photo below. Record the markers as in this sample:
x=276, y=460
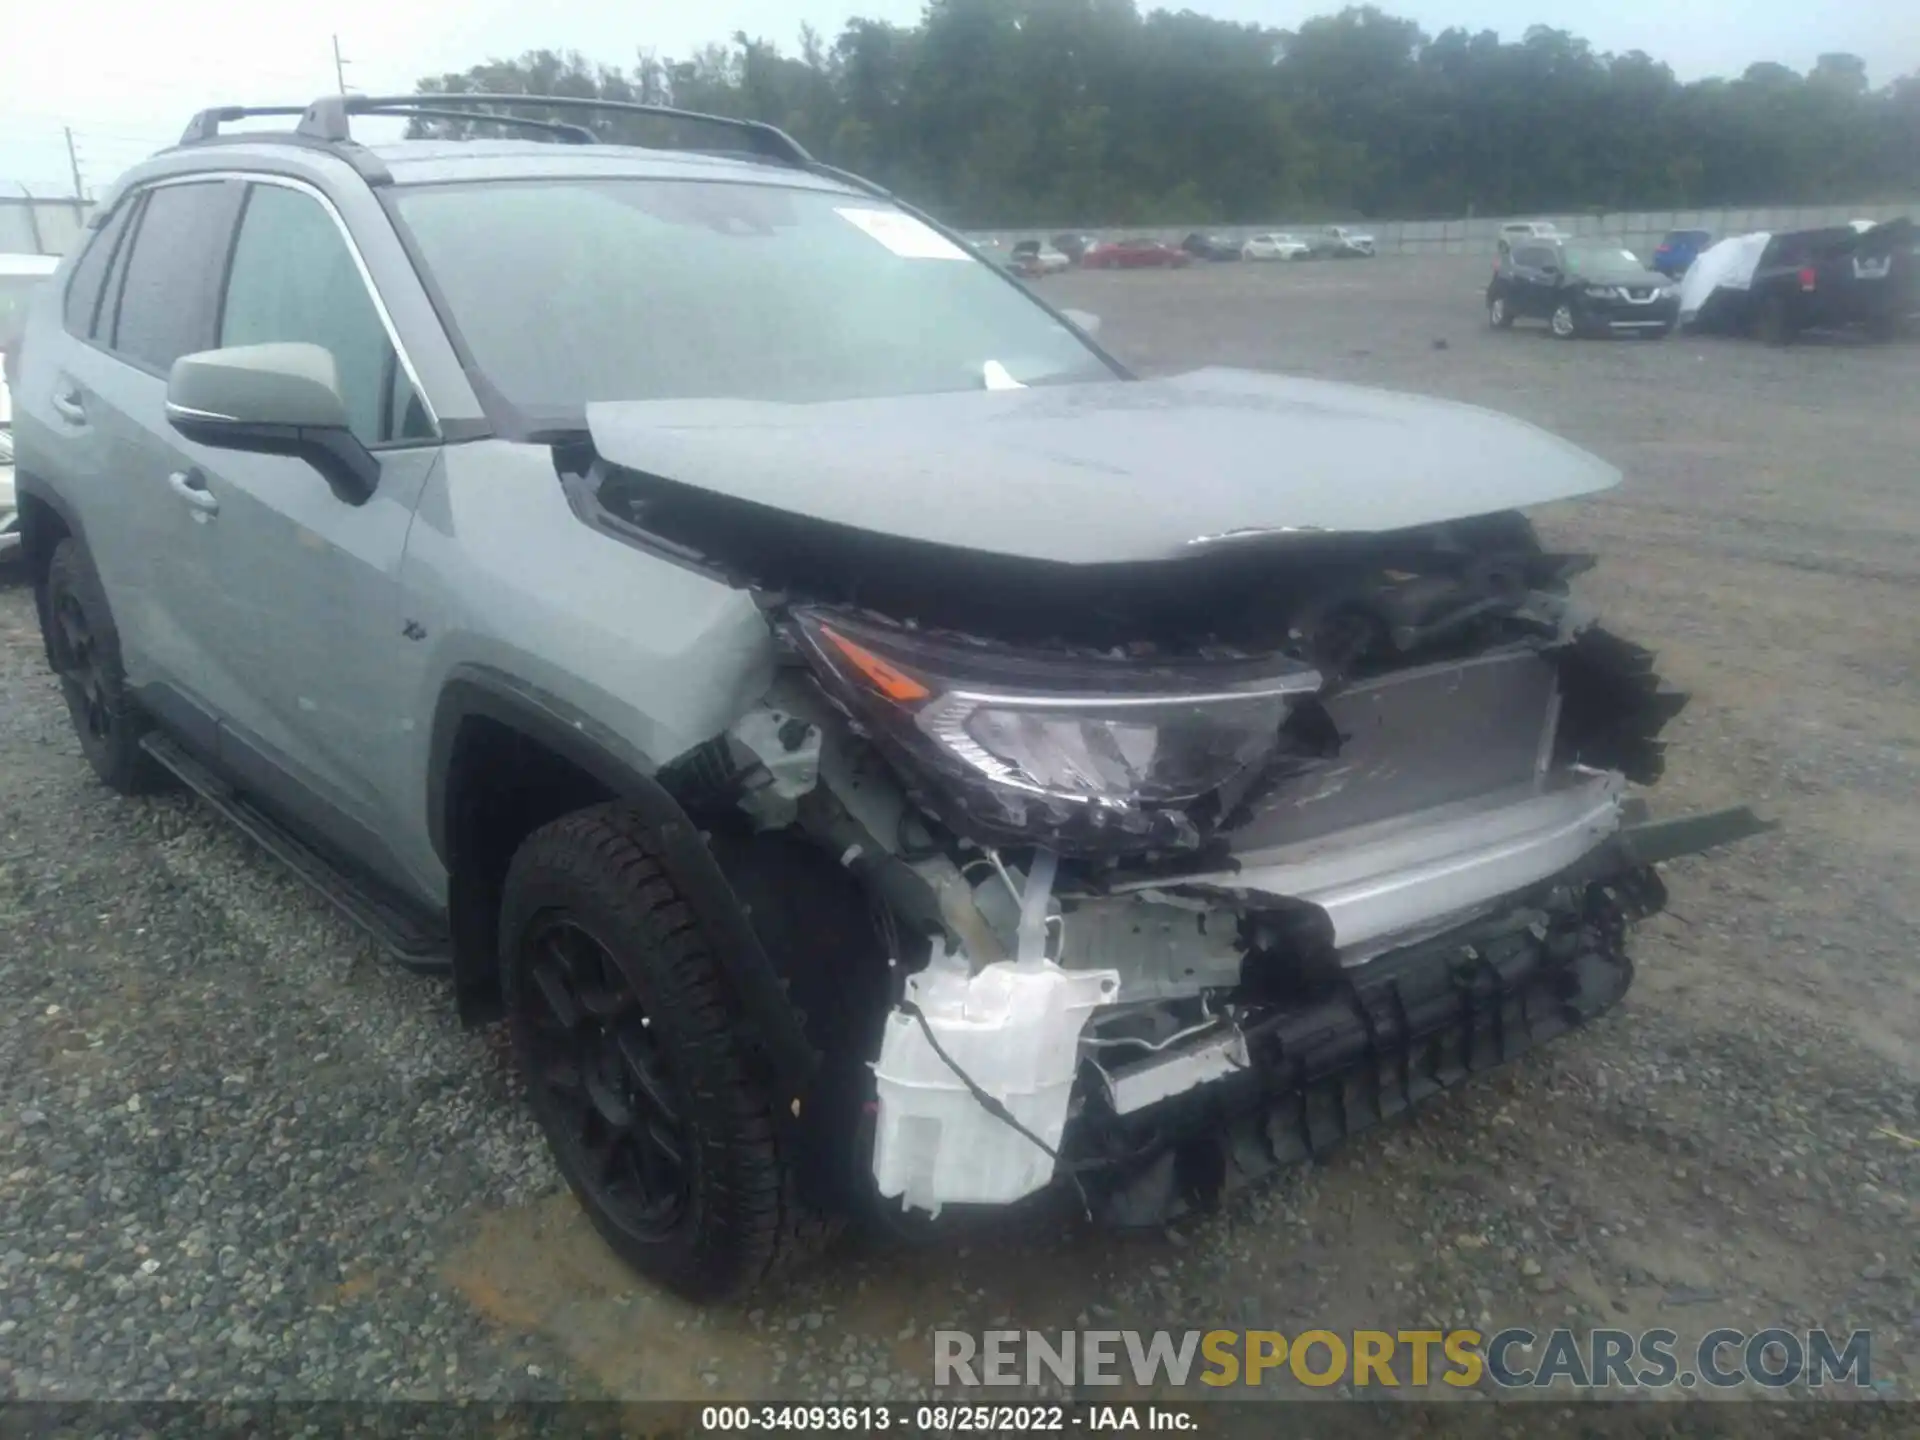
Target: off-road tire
x=85, y=649
x=742, y=1222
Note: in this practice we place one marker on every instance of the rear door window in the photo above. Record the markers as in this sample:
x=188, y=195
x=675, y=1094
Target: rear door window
x=169, y=294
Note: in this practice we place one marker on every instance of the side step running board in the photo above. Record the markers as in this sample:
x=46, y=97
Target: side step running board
x=417, y=947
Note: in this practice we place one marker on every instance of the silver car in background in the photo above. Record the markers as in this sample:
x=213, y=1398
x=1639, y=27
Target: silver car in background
x=20, y=275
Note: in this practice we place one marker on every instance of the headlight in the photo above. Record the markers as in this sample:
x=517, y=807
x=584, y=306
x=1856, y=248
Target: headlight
x=1090, y=753
x=1600, y=292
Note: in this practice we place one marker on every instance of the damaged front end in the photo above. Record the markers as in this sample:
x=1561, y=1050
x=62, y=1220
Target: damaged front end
x=1191, y=867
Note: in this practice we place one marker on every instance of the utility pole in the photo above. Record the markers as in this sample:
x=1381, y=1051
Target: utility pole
x=339, y=67
x=73, y=161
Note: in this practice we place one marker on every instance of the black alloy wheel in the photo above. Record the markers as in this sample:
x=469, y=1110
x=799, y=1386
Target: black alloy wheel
x=600, y=1083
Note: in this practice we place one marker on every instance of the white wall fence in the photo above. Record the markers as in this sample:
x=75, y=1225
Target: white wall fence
x=32, y=224
x=1637, y=230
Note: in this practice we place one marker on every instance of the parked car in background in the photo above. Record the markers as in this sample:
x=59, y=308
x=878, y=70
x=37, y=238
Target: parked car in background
x=1516, y=232
x=1211, y=247
x=1341, y=242
x=1034, y=258
x=1581, y=289
x=1276, y=245
x=1774, y=286
x=20, y=276
x=1073, y=244
x=1134, y=255
x=1673, y=255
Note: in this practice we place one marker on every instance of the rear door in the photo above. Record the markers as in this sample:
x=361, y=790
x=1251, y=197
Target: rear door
x=54, y=407
x=157, y=304
x=314, y=682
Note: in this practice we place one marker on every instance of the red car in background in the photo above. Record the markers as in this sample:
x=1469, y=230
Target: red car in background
x=1133, y=255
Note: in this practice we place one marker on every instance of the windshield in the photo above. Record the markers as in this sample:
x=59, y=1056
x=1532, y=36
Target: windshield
x=1599, y=262
x=587, y=289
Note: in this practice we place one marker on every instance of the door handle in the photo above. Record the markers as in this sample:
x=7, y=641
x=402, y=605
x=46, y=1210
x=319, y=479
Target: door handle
x=68, y=405
x=191, y=486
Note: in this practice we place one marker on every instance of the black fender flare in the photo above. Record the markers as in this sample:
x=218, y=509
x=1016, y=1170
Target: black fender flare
x=480, y=691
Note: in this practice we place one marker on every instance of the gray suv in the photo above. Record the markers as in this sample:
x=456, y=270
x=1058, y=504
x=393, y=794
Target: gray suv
x=876, y=755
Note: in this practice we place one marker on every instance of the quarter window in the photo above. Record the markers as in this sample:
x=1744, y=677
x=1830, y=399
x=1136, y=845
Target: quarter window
x=90, y=271
x=293, y=279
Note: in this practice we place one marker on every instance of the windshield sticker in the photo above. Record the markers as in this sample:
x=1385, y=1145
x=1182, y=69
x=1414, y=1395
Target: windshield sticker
x=905, y=236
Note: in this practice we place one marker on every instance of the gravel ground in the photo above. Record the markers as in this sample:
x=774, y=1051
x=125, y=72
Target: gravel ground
x=241, y=1155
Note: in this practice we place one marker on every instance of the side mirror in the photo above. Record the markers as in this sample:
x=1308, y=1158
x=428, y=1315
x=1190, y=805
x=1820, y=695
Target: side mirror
x=1085, y=320
x=281, y=399
x=1553, y=270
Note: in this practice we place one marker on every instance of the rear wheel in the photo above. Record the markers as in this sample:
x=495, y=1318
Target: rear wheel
x=636, y=1066
x=1774, y=326
x=1499, y=313
x=1886, y=326
x=85, y=648
x=1564, y=323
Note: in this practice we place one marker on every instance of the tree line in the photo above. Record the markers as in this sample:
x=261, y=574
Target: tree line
x=1021, y=112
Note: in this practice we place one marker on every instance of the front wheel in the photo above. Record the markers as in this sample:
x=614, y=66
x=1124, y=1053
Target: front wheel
x=1499, y=313
x=1564, y=323
x=636, y=1063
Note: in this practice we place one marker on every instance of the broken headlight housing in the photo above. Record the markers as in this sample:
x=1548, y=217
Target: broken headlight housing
x=1088, y=754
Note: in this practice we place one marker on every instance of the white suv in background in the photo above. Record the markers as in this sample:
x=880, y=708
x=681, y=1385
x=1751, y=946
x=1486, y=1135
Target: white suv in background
x=1519, y=232
x=19, y=276
x=1276, y=246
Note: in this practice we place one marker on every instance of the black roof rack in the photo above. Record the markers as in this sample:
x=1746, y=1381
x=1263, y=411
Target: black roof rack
x=328, y=117
x=206, y=125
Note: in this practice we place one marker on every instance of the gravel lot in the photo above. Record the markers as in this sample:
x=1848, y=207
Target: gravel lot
x=240, y=1154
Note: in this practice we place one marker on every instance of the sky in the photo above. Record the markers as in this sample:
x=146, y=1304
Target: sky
x=125, y=77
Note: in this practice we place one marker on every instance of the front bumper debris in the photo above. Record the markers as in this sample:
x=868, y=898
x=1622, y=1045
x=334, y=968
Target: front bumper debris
x=1389, y=1035
x=1147, y=1130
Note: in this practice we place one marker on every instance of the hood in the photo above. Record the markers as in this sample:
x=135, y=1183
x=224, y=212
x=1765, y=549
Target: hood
x=1636, y=278
x=1115, y=472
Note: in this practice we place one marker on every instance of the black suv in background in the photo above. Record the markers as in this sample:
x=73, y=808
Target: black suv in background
x=1581, y=289
x=1829, y=279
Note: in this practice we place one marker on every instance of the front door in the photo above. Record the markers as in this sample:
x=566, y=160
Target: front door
x=1534, y=282
x=299, y=584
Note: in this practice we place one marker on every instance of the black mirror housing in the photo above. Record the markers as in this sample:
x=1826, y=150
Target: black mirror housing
x=279, y=399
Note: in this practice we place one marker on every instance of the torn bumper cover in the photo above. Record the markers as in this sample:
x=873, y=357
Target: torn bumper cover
x=977, y=1094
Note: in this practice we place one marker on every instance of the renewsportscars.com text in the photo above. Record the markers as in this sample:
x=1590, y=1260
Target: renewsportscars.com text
x=1510, y=1359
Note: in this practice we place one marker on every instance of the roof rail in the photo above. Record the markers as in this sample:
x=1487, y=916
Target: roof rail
x=206, y=125
x=570, y=134
x=327, y=118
